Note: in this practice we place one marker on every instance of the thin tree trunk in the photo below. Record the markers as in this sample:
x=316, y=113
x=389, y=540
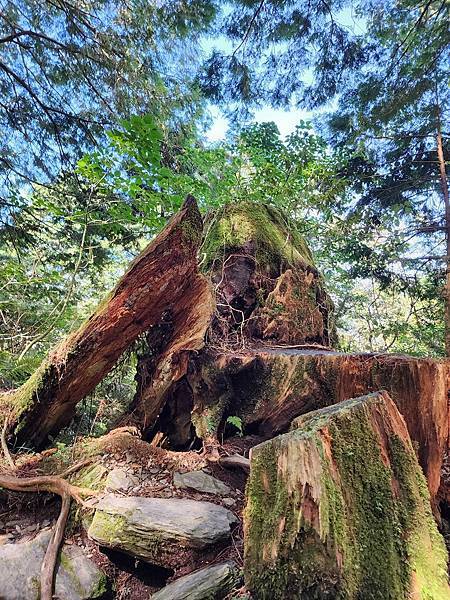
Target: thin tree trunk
x=445, y=194
x=154, y=285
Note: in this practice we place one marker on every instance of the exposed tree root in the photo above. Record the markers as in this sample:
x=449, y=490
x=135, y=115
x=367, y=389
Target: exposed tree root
x=235, y=460
x=51, y=554
x=56, y=485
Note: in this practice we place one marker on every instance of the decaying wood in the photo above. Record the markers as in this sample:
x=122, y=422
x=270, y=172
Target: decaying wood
x=268, y=388
x=182, y=333
x=4, y=443
x=156, y=282
x=338, y=506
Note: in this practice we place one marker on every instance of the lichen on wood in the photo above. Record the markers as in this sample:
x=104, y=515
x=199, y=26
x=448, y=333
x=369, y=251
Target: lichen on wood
x=339, y=507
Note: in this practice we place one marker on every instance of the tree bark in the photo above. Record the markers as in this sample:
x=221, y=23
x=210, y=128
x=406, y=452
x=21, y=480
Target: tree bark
x=445, y=195
x=153, y=285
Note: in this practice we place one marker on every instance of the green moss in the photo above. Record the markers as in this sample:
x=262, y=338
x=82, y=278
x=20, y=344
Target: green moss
x=425, y=547
x=92, y=477
x=102, y=587
x=24, y=397
x=114, y=531
x=191, y=231
x=275, y=237
x=107, y=528
x=379, y=547
x=97, y=591
x=356, y=528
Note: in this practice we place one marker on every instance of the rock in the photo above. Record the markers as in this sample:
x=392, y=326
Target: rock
x=268, y=388
x=77, y=577
x=212, y=582
x=339, y=508
x=119, y=479
x=93, y=477
x=156, y=529
x=202, y=482
x=228, y=502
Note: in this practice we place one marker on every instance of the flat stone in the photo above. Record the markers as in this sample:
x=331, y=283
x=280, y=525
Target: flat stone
x=202, y=482
x=119, y=479
x=156, y=529
x=213, y=582
x=77, y=577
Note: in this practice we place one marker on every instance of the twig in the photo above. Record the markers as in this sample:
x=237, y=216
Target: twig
x=249, y=28
x=5, y=448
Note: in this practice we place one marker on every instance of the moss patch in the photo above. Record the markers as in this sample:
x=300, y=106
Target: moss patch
x=340, y=508
x=275, y=237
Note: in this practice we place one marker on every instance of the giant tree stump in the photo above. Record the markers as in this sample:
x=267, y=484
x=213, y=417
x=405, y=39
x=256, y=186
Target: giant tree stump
x=267, y=388
x=339, y=508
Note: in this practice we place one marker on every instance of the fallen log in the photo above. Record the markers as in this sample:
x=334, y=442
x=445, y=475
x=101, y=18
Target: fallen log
x=154, y=285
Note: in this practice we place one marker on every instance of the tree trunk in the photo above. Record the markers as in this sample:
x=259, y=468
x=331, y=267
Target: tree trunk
x=153, y=286
x=445, y=194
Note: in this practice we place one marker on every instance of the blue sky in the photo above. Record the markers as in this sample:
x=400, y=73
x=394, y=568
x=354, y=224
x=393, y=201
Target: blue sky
x=286, y=120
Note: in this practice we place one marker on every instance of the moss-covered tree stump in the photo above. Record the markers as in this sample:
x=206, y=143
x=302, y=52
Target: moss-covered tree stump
x=266, y=283
x=338, y=508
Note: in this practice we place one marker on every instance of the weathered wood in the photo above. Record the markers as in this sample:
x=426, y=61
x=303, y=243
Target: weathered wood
x=170, y=345
x=339, y=508
x=157, y=282
x=267, y=389
x=266, y=283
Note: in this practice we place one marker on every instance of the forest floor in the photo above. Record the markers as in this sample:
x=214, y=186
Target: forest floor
x=151, y=471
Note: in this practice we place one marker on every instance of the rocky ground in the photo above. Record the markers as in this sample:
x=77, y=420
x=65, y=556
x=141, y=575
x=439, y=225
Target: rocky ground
x=194, y=504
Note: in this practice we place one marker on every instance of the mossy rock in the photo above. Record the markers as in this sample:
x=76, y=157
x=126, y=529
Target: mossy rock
x=76, y=578
x=159, y=530
x=339, y=508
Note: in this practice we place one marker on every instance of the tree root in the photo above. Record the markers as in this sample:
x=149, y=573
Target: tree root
x=53, y=484
x=51, y=554
x=6, y=452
